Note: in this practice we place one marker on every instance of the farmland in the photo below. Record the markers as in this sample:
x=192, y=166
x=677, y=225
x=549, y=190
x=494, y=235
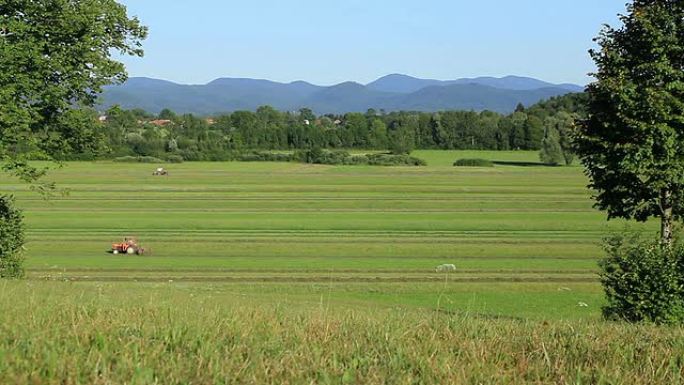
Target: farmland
x=292, y=273
x=525, y=239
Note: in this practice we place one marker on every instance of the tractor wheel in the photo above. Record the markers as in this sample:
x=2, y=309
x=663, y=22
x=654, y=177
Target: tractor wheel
x=115, y=252
x=130, y=251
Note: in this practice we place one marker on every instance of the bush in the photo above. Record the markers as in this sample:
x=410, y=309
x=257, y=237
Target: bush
x=474, y=163
x=78, y=157
x=11, y=239
x=173, y=158
x=643, y=281
x=138, y=159
x=394, y=160
x=318, y=156
x=264, y=156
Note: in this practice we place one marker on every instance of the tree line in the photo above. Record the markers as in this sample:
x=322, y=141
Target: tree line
x=545, y=126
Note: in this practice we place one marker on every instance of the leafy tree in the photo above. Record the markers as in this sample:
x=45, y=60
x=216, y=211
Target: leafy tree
x=632, y=144
x=306, y=114
x=533, y=132
x=378, y=133
x=551, y=152
x=401, y=141
x=565, y=125
x=356, y=125
x=515, y=126
x=167, y=114
x=11, y=239
x=55, y=57
x=560, y=127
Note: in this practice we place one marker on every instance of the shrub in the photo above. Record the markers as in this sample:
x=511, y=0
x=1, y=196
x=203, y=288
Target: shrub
x=138, y=159
x=474, y=163
x=11, y=239
x=394, y=160
x=643, y=281
x=149, y=159
x=318, y=156
x=264, y=156
x=173, y=158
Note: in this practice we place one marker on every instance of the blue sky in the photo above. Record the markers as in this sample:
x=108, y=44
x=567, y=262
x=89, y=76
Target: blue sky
x=326, y=42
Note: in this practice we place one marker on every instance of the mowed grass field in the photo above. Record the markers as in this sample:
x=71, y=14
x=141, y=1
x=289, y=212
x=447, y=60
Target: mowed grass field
x=278, y=273
x=525, y=240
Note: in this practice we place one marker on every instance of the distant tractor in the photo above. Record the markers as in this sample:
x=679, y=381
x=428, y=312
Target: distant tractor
x=161, y=171
x=128, y=246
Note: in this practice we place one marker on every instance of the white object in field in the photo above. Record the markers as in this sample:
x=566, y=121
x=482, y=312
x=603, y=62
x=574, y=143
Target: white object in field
x=115, y=252
x=130, y=250
x=160, y=169
x=582, y=304
x=445, y=268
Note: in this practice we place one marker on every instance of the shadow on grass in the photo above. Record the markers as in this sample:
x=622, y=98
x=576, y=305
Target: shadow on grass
x=523, y=164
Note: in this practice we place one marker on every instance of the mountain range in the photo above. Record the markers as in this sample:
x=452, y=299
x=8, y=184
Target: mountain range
x=390, y=93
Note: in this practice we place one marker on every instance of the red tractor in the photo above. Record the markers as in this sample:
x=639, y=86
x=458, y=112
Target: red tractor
x=128, y=246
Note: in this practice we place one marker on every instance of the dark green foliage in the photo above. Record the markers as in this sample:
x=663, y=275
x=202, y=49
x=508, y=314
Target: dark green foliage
x=390, y=160
x=265, y=156
x=474, y=163
x=55, y=57
x=317, y=156
x=402, y=136
x=174, y=158
x=632, y=144
x=320, y=156
x=138, y=159
x=11, y=239
x=225, y=137
x=643, y=281
x=563, y=124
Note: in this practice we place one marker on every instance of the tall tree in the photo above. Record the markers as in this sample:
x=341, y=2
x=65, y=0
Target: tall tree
x=560, y=126
x=55, y=57
x=551, y=152
x=632, y=144
x=565, y=125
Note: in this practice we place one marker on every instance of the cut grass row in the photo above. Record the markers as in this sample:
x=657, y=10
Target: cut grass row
x=338, y=221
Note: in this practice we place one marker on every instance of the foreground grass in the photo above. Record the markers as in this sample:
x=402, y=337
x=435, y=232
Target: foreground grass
x=62, y=333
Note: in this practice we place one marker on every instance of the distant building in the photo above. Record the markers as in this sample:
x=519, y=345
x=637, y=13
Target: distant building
x=307, y=122
x=210, y=121
x=102, y=118
x=160, y=122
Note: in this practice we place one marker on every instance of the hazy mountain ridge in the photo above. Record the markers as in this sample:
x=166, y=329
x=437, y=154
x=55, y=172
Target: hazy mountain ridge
x=390, y=93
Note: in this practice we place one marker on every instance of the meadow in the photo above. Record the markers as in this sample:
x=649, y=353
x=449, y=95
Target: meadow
x=335, y=267
x=513, y=232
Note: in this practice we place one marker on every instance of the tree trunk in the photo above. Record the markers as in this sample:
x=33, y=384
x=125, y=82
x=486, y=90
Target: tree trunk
x=666, y=218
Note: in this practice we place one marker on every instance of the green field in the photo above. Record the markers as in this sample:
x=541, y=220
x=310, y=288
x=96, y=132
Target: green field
x=178, y=333
x=290, y=273
x=525, y=240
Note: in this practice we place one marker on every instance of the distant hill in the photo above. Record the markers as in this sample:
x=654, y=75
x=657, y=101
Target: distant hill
x=407, y=84
x=391, y=93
